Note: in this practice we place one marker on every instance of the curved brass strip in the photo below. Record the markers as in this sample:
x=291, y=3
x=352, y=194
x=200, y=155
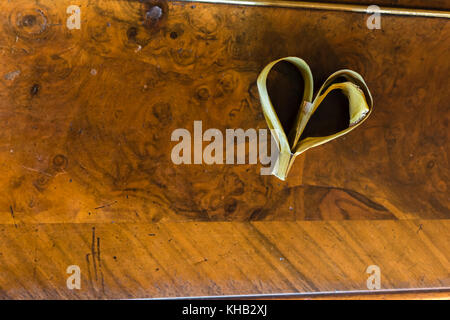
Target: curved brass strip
x=333, y=7
x=289, y=143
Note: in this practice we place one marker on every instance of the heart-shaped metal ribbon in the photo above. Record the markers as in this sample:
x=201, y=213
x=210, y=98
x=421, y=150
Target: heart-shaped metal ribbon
x=290, y=144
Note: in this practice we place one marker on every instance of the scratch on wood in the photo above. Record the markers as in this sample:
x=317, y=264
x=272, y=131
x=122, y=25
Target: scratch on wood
x=39, y=171
x=96, y=261
x=12, y=215
x=106, y=205
x=93, y=253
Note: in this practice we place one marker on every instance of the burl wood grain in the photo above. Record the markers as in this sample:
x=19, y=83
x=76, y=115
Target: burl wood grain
x=85, y=149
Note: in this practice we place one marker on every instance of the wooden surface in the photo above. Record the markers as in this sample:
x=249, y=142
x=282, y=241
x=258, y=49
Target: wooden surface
x=88, y=180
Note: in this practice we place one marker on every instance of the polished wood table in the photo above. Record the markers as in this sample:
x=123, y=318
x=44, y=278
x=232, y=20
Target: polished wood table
x=85, y=150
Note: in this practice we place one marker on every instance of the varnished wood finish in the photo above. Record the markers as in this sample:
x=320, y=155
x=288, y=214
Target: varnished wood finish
x=87, y=176
x=221, y=258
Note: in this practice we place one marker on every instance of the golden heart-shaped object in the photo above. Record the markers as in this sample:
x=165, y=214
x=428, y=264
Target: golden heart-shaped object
x=290, y=144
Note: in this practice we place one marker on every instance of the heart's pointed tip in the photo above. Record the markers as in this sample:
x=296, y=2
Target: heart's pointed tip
x=281, y=177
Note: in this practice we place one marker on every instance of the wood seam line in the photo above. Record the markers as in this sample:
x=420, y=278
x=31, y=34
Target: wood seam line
x=333, y=7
